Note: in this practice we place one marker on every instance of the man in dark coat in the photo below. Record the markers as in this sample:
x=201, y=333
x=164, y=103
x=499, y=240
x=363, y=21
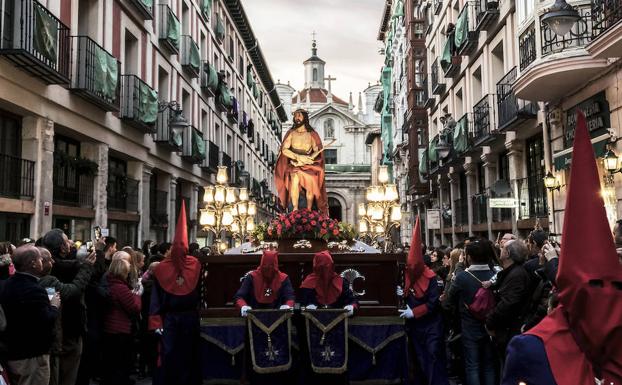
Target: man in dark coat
x=30, y=316
x=512, y=295
x=175, y=301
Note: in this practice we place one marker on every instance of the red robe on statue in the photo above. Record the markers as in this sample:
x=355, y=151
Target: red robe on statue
x=284, y=169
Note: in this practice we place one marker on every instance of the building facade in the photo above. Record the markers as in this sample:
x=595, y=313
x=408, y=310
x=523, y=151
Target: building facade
x=113, y=112
x=501, y=91
x=343, y=128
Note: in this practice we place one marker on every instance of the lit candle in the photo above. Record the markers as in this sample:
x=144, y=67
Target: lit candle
x=243, y=194
x=227, y=218
x=377, y=213
x=208, y=196
x=362, y=210
x=203, y=220
x=242, y=208
x=222, y=177
x=383, y=174
x=230, y=196
x=210, y=218
x=391, y=193
x=252, y=208
x=250, y=224
x=396, y=213
x=219, y=195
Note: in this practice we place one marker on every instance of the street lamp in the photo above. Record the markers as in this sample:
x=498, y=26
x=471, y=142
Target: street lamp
x=177, y=121
x=612, y=163
x=551, y=182
x=381, y=213
x=561, y=17
x=227, y=209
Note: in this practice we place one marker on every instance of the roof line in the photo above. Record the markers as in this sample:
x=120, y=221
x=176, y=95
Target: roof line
x=235, y=9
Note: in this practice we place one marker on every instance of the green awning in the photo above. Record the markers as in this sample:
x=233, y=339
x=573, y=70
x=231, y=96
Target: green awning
x=147, y=3
x=250, y=80
x=45, y=34
x=423, y=163
x=198, y=145
x=563, y=159
x=173, y=29
x=446, y=56
x=106, y=74
x=462, y=27
x=399, y=9
x=255, y=91
x=195, y=56
x=211, y=80
x=224, y=96
x=206, y=8
x=220, y=28
x=460, y=136
x=433, y=154
x=148, y=104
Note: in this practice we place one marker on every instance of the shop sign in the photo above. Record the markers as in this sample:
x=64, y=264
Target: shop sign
x=433, y=218
x=596, y=110
x=502, y=203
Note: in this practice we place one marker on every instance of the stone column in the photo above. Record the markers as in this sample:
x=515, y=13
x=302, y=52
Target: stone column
x=193, y=212
x=144, y=230
x=490, y=176
x=515, y=156
x=454, y=193
x=98, y=152
x=172, y=199
x=469, y=171
x=38, y=146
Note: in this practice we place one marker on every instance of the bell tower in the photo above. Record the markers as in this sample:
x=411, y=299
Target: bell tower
x=314, y=68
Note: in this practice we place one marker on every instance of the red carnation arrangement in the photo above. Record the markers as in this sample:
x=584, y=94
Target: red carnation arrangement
x=304, y=223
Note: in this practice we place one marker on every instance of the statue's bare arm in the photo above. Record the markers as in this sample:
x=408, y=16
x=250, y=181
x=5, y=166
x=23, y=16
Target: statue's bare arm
x=286, y=149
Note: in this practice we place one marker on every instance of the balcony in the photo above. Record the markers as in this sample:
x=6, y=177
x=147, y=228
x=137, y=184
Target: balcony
x=71, y=187
x=122, y=193
x=193, y=149
x=437, y=88
x=233, y=113
x=139, y=104
x=450, y=61
x=461, y=212
x=169, y=28
x=462, y=136
x=560, y=64
x=467, y=34
x=437, y=6
x=480, y=209
x=511, y=109
x=164, y=135
x=483, y=121
x=158, y=208
x=211, y=161
x=220, y=29
x=250, y=131
x=486, y=13
x=225, y=160
x=17, y=177
x=606, y=29
x=190, y=57
x=35, y=41
x=209, y=79
x=144, y=7
x=224, y=100
x=532, y=197
x=95, y=73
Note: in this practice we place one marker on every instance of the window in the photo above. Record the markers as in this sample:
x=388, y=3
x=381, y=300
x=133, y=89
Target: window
x=88, y=18
x=315, y=75
x=163, y=85
x=10, y=136
x=329, y=128
x=535, y=177
x=525, y=9
x=130, y=62
x=330, y=156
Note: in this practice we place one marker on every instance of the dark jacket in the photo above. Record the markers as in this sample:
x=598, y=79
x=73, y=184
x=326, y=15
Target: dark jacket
x=69, y=292
x=308, y=297
x=245, y=296
x=30, y=317
x=461, y=293
x=123, y=306
x=73, y=311
x=512, y=295
x=539, y=298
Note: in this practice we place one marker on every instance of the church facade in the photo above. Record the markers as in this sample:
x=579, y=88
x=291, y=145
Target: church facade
x=343, y=128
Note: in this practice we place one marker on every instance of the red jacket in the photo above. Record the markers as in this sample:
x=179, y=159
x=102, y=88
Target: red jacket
x=123, y=306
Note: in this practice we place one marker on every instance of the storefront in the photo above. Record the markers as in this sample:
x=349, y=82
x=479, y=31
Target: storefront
x=77, y=229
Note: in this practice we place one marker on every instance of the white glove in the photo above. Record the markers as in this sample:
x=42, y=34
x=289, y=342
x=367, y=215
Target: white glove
x=285, y=307
x=244, y=309
x=406, y=313
x=159, y=331
x=399, y=292
x=350, y=310
x=311, y=307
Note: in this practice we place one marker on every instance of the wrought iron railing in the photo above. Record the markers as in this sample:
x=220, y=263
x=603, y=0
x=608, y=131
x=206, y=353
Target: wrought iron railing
x=437, y=88
x=70, y=189
x=532, y=197
x=510, y=108
x=95, y=73
x=527, y=47
x=209, y=78
x=190, y=56
x=605, y=14
x=485, y=13
x=35, y=40
x=158, y=208
x=480, y=209
x=17, y=177
x=168, y=28
x=481, y=119
x=164, y=134
x=461, y=212
x=139, y=103
x=144, y=7
x=505, y=214
x=580, y=34
x=122, y=193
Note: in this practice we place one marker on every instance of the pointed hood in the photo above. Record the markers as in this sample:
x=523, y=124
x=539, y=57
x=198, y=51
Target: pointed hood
x=417, y=274
x=583, y=336
x=267, y=278
x=179, y=273
x=328, y=285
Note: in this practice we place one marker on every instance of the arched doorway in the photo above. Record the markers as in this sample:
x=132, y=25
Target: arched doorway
x=334, y=209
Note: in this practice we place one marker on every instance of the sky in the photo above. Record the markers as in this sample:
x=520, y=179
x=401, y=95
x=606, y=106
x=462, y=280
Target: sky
x=346, y=33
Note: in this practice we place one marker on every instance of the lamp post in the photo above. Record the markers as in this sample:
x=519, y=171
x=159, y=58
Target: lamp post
x=382, y=212
x=227, y=210
x=177, y=121
x=552, y=184
x=561, y=17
